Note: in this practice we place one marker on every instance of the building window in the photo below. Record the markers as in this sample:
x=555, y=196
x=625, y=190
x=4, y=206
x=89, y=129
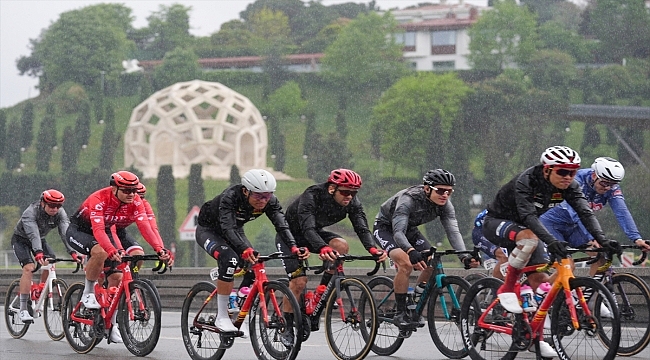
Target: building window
x=413, y=66
x=407, y=40
x=443, y=42
x=444, y=65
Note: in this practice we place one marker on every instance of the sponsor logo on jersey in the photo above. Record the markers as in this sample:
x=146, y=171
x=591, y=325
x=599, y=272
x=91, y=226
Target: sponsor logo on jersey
x=557, y=197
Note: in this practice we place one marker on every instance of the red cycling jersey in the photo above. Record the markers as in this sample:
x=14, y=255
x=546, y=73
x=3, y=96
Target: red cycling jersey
x=102, y=209
x=152, y=219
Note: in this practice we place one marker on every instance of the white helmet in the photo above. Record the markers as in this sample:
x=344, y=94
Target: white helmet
x=608, y=169
x=562, y=156
x=258, y=180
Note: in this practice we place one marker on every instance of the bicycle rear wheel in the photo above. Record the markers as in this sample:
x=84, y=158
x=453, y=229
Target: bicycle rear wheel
x=81, y=337
x=347, y=329
x=200, y=344
x=266, y=339
x=52, y=310
x=443, y=316
x=15, y=326
x=585, y=342
x=483, y=343
x=140, y=326
x=388, y=339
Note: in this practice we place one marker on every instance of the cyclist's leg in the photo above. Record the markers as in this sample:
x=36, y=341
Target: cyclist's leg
x=22, y=250
x=336, y=242
x=297, y=277
x=86, y=244
x=492, y=251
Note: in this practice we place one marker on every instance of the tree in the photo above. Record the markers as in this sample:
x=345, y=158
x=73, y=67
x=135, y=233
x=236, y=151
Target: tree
x=195, y=190
x=12, y=152
x=280, y=156
x=331, y=153
x=27, y=125
x=166, y=194
x=82, y=126
x=69, y=151
x=310, y=130
x=623, y=28
x=46, y=139
x=98, y=104
x=364, y=56
x=553, y=36
x=109, y=115
x=341, y=124
x=235, y=178
x=3, y=133
x=502, y=37
x=178, y=65
x=109, y=144
x=286, y=101
x=552, y=70
x=169, y=28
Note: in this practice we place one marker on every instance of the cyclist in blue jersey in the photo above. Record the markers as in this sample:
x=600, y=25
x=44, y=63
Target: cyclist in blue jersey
x=496, y=255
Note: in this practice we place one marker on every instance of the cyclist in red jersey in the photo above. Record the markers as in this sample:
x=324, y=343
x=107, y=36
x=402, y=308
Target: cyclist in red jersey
x=90, y=232
x=142, y=191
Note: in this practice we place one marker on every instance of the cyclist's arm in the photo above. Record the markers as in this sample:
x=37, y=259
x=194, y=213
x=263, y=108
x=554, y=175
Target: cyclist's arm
x=526, y=209
x=30, y=227
x=99, y=230
x=578, y=202
x=450, y=224
x=231, y=231
x=274, y=213
x=360, y=224
x=307, y=220
x=622, y=213
x=142, y=222
x=152, y=220
x=64, y=222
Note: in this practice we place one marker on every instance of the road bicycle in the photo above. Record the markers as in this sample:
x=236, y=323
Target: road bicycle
x=137, y=306
x=442, y=296
x=577, y=322
x=263, y=305
x=46, y=300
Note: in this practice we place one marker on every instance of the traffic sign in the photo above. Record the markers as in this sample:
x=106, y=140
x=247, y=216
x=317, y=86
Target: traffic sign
x=188, y=228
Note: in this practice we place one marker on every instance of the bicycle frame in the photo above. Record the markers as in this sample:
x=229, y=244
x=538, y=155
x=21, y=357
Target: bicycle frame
x=47, y=289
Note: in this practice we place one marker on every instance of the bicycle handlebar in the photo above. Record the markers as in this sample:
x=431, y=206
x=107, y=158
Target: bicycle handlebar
x=56, y=260
x=136, y=258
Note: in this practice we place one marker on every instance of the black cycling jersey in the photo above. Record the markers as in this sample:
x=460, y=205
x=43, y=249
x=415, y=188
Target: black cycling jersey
x=230, y=210
x=529, y=194
x=316, y=209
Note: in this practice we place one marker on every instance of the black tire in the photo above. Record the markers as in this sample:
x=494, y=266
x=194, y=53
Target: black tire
x=444, y=326
x=578, y=344
x=81, y=337
x=140, y=329
x=200, y=344
x=483, y=343
x=16, y=328
x=474, y=277
x=53, y=310
x=266, y=339
x=388, y=339
x=346, y=325
x=154, y=288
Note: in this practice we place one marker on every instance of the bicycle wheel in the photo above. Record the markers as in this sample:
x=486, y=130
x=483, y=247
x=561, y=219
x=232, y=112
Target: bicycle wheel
x=633, y=300
x=81, y=337
x=346, y=322
x=266, y=338
x=140, y=325
x=584, y=342
x=200, y=344
x=443, y=316
x=474, y=277
x=388, y=339
x=15, y=326
x=52, y=310
x=483, y=343
x=153, y=287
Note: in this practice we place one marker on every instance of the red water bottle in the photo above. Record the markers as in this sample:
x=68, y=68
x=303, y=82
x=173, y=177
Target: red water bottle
x=319, y=292
x=309, y=302
x=112, y=291
x=36, y=291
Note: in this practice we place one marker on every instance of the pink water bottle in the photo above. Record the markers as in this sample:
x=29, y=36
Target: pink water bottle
x=242, y=294
x=541, y=292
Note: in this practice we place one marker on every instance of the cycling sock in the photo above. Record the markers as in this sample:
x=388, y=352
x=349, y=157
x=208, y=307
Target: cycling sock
x=400, y=300
x=114, y=318
x=222, y=306
x=325, y=279
x=89, y=287
x=511, y=279
x=23, y=301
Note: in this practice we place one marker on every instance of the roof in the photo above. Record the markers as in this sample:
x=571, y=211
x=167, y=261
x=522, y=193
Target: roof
x=243, y=61
x=439, y=24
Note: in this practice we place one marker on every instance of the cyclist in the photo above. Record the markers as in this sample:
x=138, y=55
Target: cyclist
x=220, y=231
x=513, y=222
x=29, y=238
x=600, y=185
x=142, y=191
x=319, y=206
x=90, y=233
x=496, y=255
x=396, y=229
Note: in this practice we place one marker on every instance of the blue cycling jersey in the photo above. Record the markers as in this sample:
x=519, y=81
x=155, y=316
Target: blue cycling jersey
x=563, y=222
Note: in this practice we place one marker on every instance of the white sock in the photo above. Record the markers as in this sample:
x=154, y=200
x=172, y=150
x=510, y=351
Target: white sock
x=89, y=287
x=222, y=306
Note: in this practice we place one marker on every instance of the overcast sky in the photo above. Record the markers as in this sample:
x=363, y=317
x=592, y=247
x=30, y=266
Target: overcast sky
x=21, y=20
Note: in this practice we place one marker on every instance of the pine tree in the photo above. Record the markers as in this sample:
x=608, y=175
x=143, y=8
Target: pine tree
x=280, y=155
x=27, y=125
x=13, y=153
x=166, y=196
x=310, y=132
x=46, y=139
x=341, y=124
x=82, y=126
x=109, y=142
x=3, y=133
x=98, y=107
x=235, y=178
x=109, y=116
x=196, y=191
x=69, y=151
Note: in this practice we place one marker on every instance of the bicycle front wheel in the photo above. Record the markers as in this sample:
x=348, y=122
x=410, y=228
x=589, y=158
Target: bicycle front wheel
x=15, y=326
x=351, y=320
x=52, y=310
x=277, y=339
x=388, y=339
x=200, y=344
x=81, y=337
x=443, y=317
x=139, y=318
x=585, y=342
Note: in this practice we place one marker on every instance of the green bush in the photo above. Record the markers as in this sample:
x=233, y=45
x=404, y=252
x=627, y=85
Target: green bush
x=69, y=97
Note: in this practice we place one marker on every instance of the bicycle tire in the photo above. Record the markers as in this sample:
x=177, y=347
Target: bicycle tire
x=200, y=344
x=266, y=340
x=154, y=288
x=81, y=337
x=445, y=332
x=346, y=325
x=53, y=319
x=15, y=326
x=388, y=339
x=474, y=277
x=140, y=329
x=484, y=344
x=578, y=344
x=633, y=300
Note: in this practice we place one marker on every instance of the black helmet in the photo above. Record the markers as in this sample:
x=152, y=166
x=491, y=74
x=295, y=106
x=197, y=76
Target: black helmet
x=439, y=177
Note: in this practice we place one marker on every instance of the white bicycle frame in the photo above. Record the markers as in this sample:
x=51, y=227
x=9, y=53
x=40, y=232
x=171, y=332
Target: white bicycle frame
x=38, y=305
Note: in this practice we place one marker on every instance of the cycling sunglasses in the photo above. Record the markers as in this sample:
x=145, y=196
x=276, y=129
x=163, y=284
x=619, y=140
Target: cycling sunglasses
x=346, y=193
x=607, y=184
x=54, y=206
x=128, y=191
x=261, y=195
x=442, y=191
x=566, y=172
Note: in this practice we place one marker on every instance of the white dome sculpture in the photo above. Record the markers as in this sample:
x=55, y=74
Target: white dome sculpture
x=196, y=122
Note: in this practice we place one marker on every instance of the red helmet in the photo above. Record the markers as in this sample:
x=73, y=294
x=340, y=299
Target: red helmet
x=346, y=178
x=52, y=196
x=124, y=179
x=142, y=190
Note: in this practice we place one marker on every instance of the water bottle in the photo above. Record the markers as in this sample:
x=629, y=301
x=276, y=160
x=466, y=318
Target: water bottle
x=36, y=290
x=242, y=294
x=419, y=289
x=232, y=303
x=112, y=291
x=527, y=301
x=319, y=293
x=309, y=302
x=541, y=292
x=410, y=303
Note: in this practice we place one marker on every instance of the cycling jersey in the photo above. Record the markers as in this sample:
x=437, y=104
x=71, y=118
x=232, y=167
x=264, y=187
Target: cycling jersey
x=35, y=224
x=529, y=194
x=409, y=208
x=230, y=210
x=152, y=219
x=565, y=215
x=102, y=209
x=316, y=209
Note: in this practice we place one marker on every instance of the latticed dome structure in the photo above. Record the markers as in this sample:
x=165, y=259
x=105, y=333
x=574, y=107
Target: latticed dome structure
x=196, y=122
